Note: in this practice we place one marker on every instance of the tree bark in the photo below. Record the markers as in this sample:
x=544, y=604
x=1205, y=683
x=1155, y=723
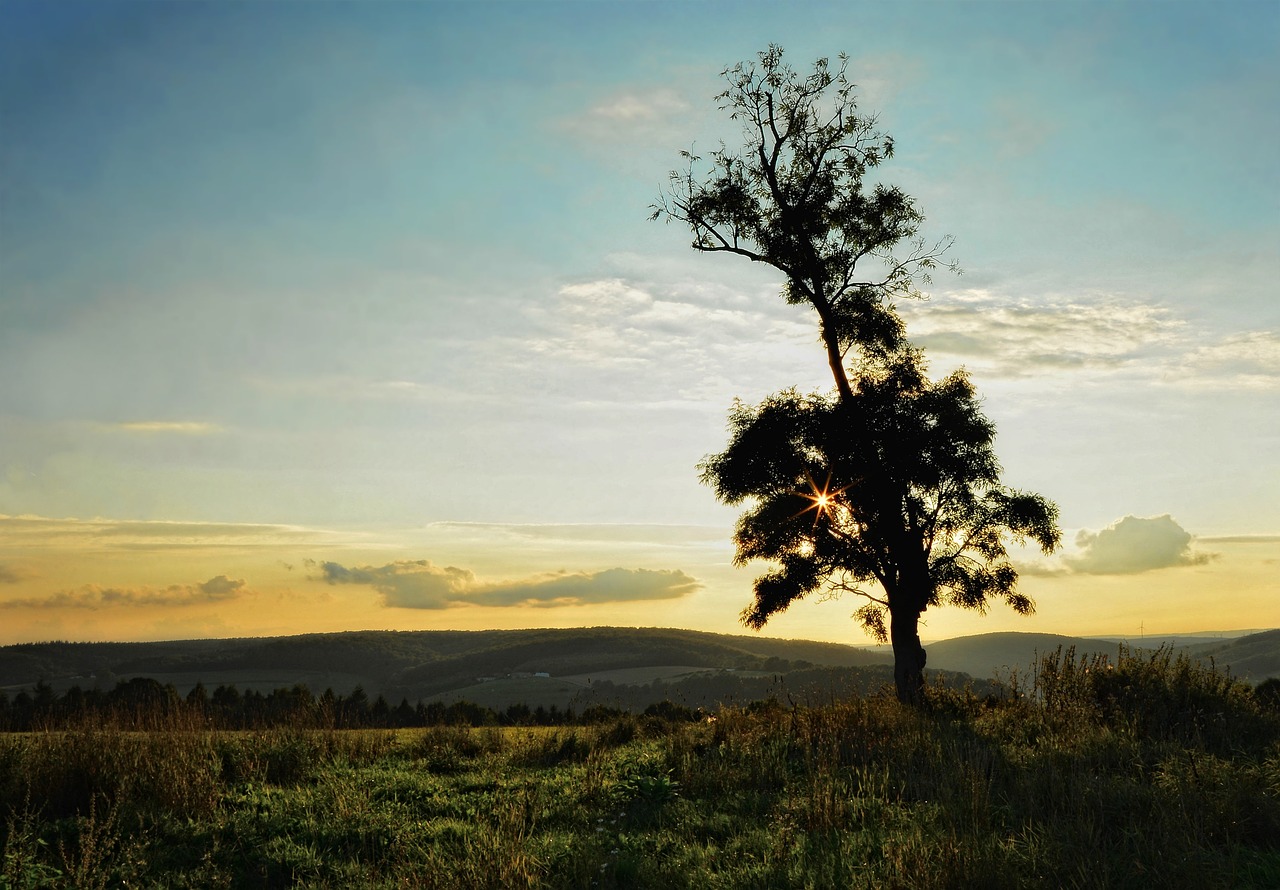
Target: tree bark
x=908, y=655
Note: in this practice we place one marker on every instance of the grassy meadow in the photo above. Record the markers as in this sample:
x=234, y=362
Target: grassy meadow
x=1149, y=771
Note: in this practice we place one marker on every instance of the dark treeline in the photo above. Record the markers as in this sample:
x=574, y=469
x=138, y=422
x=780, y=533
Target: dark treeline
x=143, y=703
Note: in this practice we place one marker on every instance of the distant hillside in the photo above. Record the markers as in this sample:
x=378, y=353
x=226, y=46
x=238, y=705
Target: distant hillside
x=985, y=655
x=552, y=665
x=413, y=665
x=1253, y=658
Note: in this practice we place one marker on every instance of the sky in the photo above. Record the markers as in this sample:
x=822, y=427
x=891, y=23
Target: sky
x=320, y=317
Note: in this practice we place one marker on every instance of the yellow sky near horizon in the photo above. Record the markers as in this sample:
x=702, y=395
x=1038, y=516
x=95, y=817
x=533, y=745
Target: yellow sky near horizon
x=100, y=580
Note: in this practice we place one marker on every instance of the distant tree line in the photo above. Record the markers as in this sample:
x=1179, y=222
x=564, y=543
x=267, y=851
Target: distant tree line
x=144, y=703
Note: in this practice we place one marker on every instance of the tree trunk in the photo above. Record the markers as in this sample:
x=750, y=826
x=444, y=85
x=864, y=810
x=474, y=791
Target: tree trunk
x=908, y=656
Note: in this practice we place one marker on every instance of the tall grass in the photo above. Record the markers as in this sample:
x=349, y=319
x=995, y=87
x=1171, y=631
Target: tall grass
x=1149, y=771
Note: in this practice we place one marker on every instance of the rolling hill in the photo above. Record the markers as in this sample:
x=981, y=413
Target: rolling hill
x=413, y=665
x=555, y=665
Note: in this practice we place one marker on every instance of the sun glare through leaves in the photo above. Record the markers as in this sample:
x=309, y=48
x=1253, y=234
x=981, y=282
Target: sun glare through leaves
x=822, y=498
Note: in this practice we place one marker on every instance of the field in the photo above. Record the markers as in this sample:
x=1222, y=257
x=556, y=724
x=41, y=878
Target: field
x=1150, y=772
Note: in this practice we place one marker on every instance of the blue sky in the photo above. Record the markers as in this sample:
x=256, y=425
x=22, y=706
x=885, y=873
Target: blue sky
x=373, y=285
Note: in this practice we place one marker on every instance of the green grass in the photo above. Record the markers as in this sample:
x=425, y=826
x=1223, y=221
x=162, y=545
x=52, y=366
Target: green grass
x=1148, y=773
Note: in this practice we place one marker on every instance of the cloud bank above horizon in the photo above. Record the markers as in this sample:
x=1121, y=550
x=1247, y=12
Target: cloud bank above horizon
x=420, y=584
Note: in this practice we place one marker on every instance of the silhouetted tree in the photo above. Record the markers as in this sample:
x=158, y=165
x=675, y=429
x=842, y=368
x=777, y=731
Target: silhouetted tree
x=892, y=494
x=355, y=708
x=432, y=713
x=379, y=713
x=22, y=711
x=198, y=699
x=890, y=488
x=227, y=707
x=143, y=698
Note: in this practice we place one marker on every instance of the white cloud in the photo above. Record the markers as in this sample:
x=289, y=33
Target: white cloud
x=637, y=106
x=1133, y=544
x=679, y=342
x=634, y=117
x=1018, y=338
x=1015, y=338
x=1244, y=361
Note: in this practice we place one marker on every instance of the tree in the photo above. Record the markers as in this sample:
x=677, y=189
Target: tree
x=892, y=494
x=888, y=488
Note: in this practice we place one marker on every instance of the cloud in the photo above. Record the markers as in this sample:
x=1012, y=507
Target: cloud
x=93, y=596
x=578, y=588
x=680, y=339
x=1242, y=361
x=638, y=116
x=640, y=107
x=182, y=427
x=1133, y=545
x=9, y=575
x=1241, y=539
x=409, y=584
x=420, y=584
x=152, y=535
x=1022, y=338
x=1018, y=338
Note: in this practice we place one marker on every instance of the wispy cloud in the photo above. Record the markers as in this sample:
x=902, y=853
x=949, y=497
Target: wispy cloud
x=9, y=575
x=1242, y=361
x=1240, y=539
x=151, y=534
x=180, y=427
x=215, y=590
x=1015, y=338
x=1018, y=338
x=640, y=106
x=420, y=584
x=684, y=341
x=634, y=115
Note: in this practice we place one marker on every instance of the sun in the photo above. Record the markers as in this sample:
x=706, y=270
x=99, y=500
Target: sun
x=822, y=498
